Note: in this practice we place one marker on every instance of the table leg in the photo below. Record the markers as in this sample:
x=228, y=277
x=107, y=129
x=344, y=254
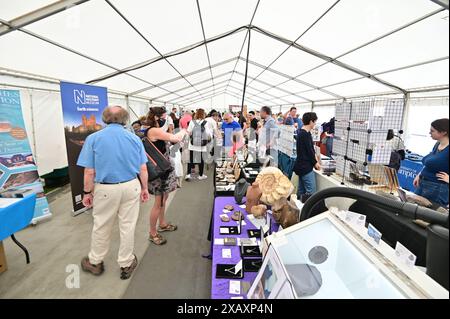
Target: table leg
x=27, y=255
x=3, y=264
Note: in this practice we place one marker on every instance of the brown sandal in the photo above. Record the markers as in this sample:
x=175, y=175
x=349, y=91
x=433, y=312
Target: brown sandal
x=169, y=227
x=157, y=240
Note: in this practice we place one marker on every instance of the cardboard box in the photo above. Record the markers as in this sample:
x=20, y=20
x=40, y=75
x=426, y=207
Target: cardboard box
x=3, y=264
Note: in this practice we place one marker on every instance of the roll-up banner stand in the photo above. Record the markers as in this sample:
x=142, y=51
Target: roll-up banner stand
x=82, y=106
x=18, y=172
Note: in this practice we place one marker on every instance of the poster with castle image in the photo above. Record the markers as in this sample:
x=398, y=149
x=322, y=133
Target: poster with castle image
x=18, y=171
x=82, y=106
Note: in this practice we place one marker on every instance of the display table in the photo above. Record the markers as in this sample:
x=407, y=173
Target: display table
x=16, y=216
x=220, y=287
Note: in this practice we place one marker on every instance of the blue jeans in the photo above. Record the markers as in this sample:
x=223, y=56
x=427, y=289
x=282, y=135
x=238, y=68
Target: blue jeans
x=306, y=184
x=434, y=192
x=329, y=146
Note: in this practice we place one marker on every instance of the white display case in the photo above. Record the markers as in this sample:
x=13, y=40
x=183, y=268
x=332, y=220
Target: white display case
x=325, y=258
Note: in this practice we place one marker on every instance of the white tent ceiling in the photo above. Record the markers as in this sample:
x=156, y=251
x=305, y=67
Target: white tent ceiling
x=188, y=52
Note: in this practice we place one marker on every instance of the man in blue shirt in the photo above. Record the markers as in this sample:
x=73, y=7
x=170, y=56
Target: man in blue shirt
x=290, y=118
x=230, y=129
x=114, y=159
x=268, y=135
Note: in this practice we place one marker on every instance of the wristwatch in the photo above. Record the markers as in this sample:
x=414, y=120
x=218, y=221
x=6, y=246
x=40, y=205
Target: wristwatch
x=86, y=193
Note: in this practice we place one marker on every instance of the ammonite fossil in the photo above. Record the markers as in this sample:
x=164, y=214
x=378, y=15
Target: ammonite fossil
x=274, y=185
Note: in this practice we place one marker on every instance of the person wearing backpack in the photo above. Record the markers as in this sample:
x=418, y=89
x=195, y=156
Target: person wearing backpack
x=200, y=135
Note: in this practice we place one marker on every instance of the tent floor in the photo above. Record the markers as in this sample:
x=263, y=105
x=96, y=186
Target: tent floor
x=56, y=246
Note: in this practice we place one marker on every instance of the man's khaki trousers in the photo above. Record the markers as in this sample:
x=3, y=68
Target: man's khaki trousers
x=111, y=201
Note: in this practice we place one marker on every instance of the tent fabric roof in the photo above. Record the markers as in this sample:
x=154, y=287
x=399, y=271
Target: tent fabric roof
x=185, y=52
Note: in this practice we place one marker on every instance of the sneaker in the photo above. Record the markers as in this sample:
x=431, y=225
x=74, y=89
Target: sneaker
x=96, y=270
x=202, y=177
x=187, y=177
x=126, y=272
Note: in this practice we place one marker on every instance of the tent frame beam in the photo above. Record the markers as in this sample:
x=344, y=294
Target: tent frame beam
x=291, y=78
x=38, y=14
x=197, y=83
x=148, y=41
x=379, y=73
x=265, y=83
x=183, y=97
x=187, y=74
x=329, y=59
x=442, y=3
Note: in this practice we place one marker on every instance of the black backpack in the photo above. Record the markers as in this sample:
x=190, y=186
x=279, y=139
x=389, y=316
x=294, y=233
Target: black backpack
x=199, y=136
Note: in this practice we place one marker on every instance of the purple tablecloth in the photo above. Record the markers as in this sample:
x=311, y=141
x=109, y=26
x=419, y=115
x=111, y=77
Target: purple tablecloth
x=220, y=287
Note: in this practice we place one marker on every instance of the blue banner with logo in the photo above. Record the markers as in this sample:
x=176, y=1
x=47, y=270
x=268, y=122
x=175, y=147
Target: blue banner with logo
x=407, y=172
x=82, y=106
x=18, y=171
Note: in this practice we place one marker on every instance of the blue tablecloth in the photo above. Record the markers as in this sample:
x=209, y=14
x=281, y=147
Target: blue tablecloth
x=16, y=216
x=407, y=172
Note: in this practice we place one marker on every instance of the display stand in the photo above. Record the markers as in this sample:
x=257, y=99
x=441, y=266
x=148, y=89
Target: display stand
x=326, y=257
x=220, y=287
x=361, y=129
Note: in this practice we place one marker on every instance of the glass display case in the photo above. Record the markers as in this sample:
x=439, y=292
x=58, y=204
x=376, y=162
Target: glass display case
x=323, y=257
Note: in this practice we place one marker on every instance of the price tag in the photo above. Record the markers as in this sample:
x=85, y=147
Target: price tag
x=404, y=255
x=374, y=233
x=355, y=219
x=235, y=287
x=218, y=241
x=226, y=253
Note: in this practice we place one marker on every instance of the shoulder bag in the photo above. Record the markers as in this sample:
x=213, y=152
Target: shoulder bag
x=158, y=166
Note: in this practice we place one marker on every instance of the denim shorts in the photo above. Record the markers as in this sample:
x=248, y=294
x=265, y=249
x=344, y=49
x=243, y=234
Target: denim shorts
x=434, y=192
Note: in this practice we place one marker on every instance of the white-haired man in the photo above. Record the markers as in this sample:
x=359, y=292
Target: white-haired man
x=115, y=178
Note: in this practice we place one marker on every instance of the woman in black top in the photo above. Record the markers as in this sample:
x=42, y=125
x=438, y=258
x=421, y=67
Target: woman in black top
x=306, y=158
x=160, y=187
x=176, y=121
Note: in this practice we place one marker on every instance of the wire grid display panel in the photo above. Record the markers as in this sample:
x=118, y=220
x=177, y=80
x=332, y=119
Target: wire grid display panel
x=342, y=112
x=379, y=114
x=394, y=109
x=339, y=146
x=357, y=151
x=345, y=172
x=368, y=139
x=360, y=110
x=381, y=154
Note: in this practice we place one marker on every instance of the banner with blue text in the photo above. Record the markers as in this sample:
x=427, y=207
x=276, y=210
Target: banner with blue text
x=83, y=106
x=18, y=171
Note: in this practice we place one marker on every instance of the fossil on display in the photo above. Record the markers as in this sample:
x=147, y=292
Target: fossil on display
x=224, y=218
x=253, y=196
x=285, y=212
x=228, y=207
x=259, y=211
x=318, y=254
x=237, y=215
x=274, y=185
